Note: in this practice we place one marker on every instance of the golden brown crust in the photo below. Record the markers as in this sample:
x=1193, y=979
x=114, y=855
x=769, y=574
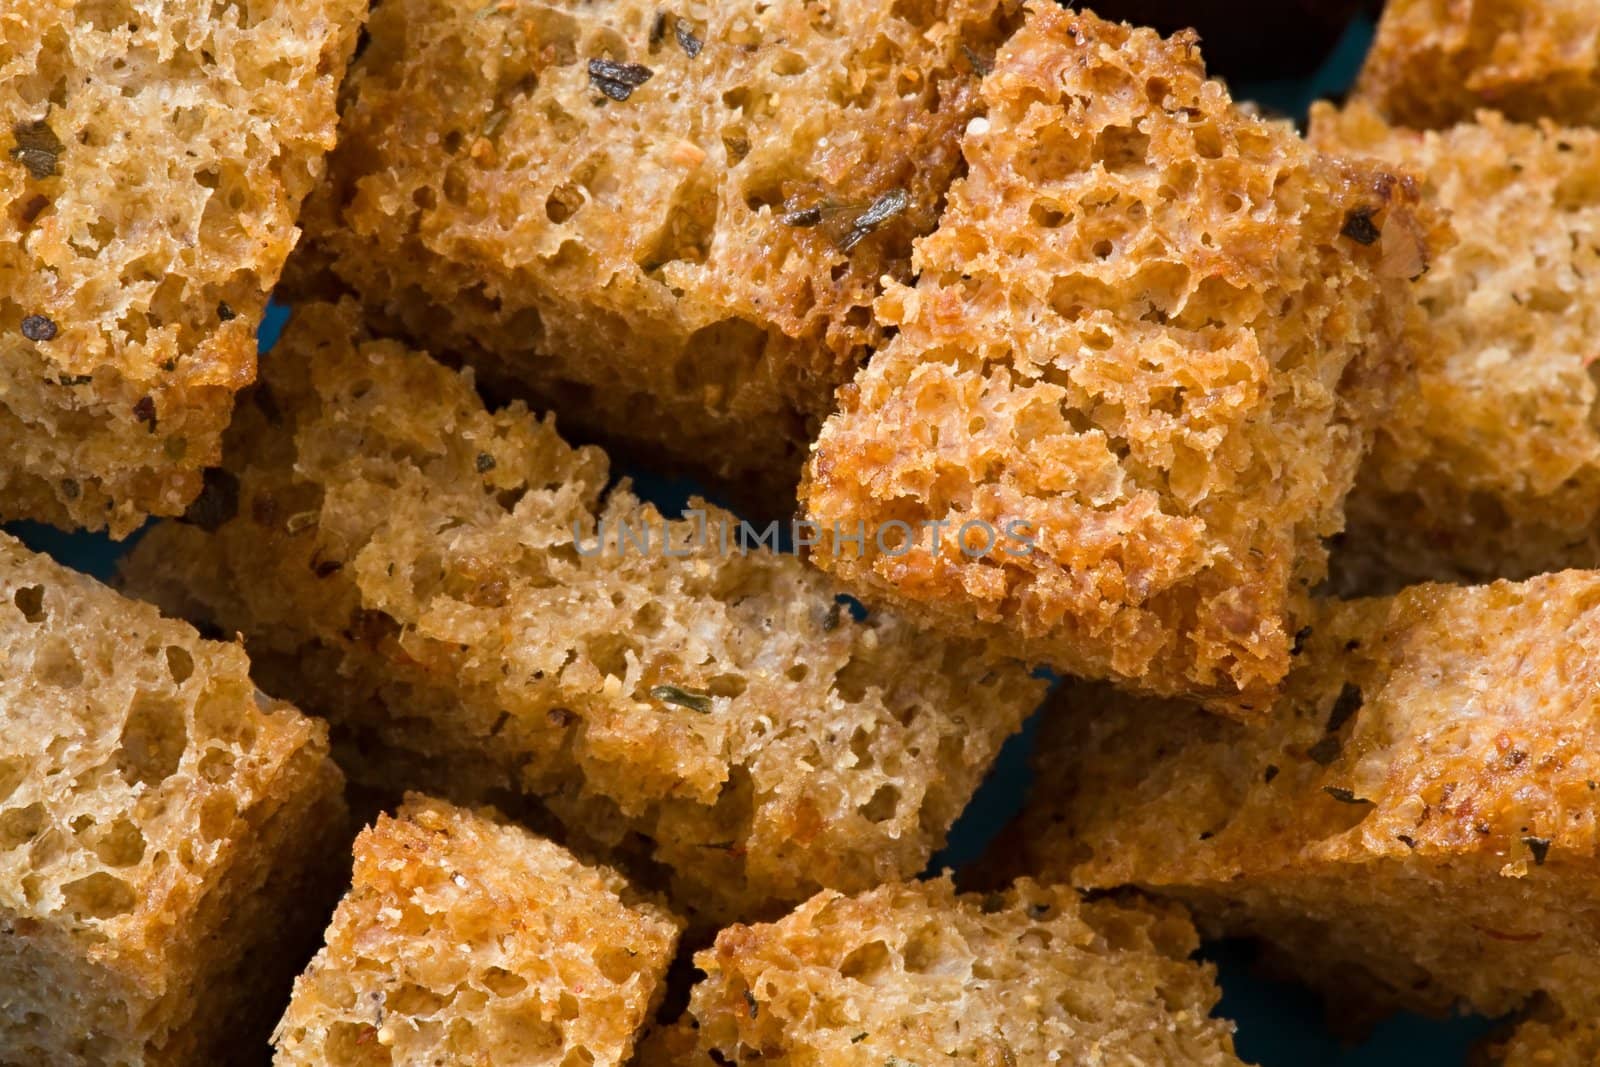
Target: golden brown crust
x=1145, y=331
x=1490, y=466
x=1418, y=819
x=914, y=973
x=427, y=574
x=675, y=271
x=1436, y=62
x=148, y=793
x=464, y=939
x=156, y=157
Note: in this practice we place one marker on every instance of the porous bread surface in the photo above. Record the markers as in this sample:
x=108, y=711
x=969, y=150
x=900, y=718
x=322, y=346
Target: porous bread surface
x=1546, y=1038
x=915, y=974
x=464, y=939
x=156, y=154
x=1417, y=820
x=1436, y=62
x=1143, y=336
x=147, y=793
x=628, y=260
x=1490, y=466
x=429, y=575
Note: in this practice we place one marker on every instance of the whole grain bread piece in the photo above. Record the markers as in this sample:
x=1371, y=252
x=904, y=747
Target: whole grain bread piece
x=163, y=829
x=447, y=585
x=667, y=222
x=1436, y=62
x=1489, y=466
x=465, y=939
x=915, y=974
x=153, y=157
x=1417, y=821
x=1149, y=342
x=1545, y=1037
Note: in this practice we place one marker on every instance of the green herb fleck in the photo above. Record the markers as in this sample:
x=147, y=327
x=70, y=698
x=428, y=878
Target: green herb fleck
x=1344, y=796
x=980, y=66
x=145, y=411
x=693, y=699
x=886, y=207
x=750, y=1002
x=1325, y=751
x=226, y=313
x=484, y=463
x=687, y=41
x=39, y=328
x=803, y=219
x=1348, y=703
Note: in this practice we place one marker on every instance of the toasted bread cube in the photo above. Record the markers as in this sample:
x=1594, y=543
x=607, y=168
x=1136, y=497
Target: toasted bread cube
x=1417, y=821
x=1436, y=62
x=455, y=590
x=915, y=974
x=162, y=827
x=464, y=939
x=667, y=223
x=1545, y=1038
x=155, y=157
x=1129, y=392
x=1490, y=466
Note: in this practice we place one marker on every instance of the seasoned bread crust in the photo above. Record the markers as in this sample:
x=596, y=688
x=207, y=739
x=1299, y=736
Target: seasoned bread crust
x=464, y=939
x=1152, y=329
x=1436, y=62
x=1489, y=467
x=680, y=270
x=148, y=793
x=914, y=973
x=1418, y=820
x=429, y=575
x=155, y=157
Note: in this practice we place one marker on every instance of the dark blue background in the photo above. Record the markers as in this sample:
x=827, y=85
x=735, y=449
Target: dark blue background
x=1280, y=1025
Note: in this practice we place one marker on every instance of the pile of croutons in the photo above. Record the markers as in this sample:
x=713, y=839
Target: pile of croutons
x=1026, y=365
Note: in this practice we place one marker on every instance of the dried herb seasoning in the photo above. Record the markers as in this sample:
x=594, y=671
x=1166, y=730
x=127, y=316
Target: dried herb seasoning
x=560, y=718
x=39, y=328
x=1324, y=751
x=1270, y=773
x=145, y=411
x=687, y=41
x=830, y=621
x=980, y=66
x=38, y=149
x=484, y=463
x=618, y=80
x=217, y=503
x=884, y=208
x=74, y=379
x=750, y=1002
x=658, y=29
x=803, y=219
x=226, y=313
x=1301, y=636
x=1359, y=227
x=1347, y=704
x=693, y=699
x=1344, y=796
x=1540, y=847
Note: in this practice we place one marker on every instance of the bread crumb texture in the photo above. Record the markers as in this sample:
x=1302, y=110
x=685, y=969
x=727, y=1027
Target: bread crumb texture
x=1152, y=332
x=667, y=222
x=915, y=974
x=1489, y=467
x=1436, y=62
x=464, y=939
x=155, y=813
x=1417, y=822
x=155, y=157
x=431, y=576
x=1546, y=1038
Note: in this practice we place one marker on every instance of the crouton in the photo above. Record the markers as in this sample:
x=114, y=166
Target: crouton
x=1246, y=40
x=1490, y=466
x=467, y=940
x=162, y=827
x=461, y=595
x=666, y=222
x=155, y=155
x=914, y=973
x=1417, y=821
x=1436, y=62
x=1130, y=390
